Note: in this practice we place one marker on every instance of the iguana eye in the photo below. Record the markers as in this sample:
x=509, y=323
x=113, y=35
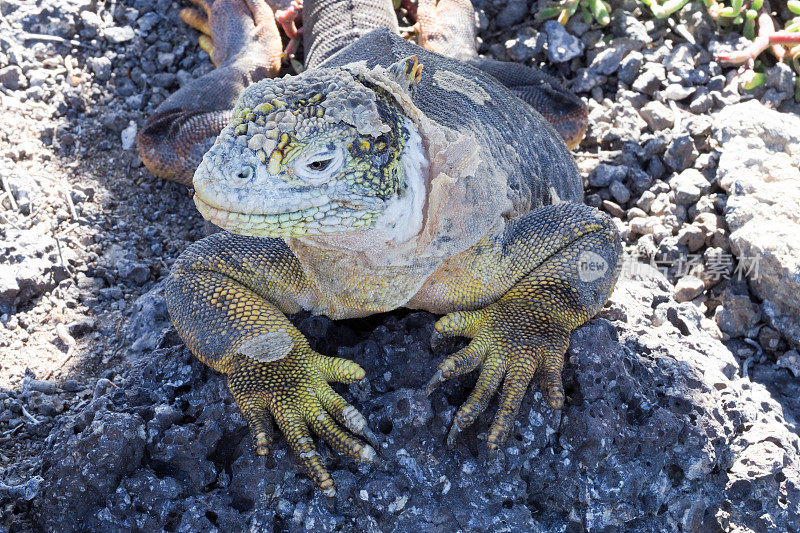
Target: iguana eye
x=320, y=164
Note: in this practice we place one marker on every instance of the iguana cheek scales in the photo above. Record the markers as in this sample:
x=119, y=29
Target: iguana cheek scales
x=452, y=195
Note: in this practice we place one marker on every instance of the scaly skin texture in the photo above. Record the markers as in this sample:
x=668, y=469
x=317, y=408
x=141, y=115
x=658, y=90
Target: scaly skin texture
x=387, y=177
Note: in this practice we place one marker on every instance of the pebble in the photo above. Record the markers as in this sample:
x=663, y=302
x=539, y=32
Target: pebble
x=681, y=153
x=128, y=136
x=561, y=46
x=648, y=81
x=677, y=92
x=790, y=360
x=613, y=209
x=604, y=174
x=119, y=34
x=657, y=115
x=689, y=186
x=608, y=61
x=101, y=66
x=12, y=78
x=525, y=46
x=702, y=101
x=629, y=67
x=688, y=288
x=620, y=193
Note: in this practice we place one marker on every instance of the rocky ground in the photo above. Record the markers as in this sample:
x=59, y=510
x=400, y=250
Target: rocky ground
x=682, y=396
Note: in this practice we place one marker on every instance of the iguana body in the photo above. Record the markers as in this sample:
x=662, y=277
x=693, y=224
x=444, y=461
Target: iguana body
x=366, y=184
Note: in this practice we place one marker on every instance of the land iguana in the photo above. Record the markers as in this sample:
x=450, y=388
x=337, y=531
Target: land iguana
x=386, y=175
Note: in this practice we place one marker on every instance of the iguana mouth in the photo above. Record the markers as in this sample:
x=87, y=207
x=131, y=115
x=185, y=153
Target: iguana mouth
x=329, y=217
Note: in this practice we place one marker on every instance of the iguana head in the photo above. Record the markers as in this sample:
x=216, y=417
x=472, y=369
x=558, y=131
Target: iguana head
x=324, y=152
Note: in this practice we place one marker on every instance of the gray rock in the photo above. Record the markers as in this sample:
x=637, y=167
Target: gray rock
x=759, y=168
x=525, y=45
x=657, y=115
x=586, y=80
x=702, y=102
x=148, y=21
x=608, y=61
x=163, y=79
x=604, y=174
x=680, y=63
x=91, y=21
x=781, y=78
x=101, y=66
x=677, y=92
x=790, y=360
x=736, y=314
x=681, y=153
x=689, y=186
x=513, y=12
x=118, y=34
x=619, y=191
x=149, y=320
x=11, y=77
x=629, y=67
x=649, y=81
x=688, y=288
x=625, y=24
x=561, y=46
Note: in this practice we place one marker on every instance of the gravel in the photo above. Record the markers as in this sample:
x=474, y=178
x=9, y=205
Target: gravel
x=682, y=397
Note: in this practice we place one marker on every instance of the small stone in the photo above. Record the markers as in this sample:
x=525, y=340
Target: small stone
x=513, y=12
x=737, y=314
x=148, y=21
x=91, y=21
x=689, y=186
x=613, y=209
x=681, y=153
x=781, y=78
x=128, y=136
x=629, y=67
x=702, y=102
x=101, y=66
x=677, y=92
x=688, y=288
x=166, y=59
x=645, y=201
x=608, y=61
x=586, y=80
x=163, y=79
x=119, y=34
x=604, y=174
x=692, y=237
x=561, y=46
x=681, y=62
x=790, y=360
x=648, y=82
x=12, y=78
x=657, y=115
x=625, y=24
x=620, y=193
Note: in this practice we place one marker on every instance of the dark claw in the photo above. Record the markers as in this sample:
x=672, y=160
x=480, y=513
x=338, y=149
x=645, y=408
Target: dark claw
x=452, y=435
x=433, y=383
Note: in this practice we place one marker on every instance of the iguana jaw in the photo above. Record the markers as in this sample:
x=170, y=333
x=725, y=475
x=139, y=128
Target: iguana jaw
x=328, y=217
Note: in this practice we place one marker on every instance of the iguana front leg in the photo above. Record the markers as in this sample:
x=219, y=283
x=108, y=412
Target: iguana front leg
x=558, y=264
x=242, y=39
x=227, y=296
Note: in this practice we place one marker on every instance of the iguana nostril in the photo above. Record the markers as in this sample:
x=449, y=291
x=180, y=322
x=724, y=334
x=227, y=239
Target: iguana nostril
x=245, y=173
